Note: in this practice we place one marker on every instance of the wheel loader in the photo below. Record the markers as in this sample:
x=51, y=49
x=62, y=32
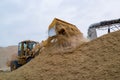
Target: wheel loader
x=25, y=54
x=62, y=36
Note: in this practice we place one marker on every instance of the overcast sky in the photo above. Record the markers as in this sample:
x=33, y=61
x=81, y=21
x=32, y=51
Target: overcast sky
x=29, y=19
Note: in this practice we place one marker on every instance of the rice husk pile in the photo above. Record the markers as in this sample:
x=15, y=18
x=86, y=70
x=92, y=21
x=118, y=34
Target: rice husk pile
x=95, y=60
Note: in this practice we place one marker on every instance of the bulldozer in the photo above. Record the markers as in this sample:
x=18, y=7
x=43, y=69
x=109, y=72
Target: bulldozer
x=25, y=54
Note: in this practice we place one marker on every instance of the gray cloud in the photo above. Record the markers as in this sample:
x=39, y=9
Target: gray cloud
x=29, y=19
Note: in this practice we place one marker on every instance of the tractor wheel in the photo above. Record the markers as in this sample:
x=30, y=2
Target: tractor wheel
x=14, y=65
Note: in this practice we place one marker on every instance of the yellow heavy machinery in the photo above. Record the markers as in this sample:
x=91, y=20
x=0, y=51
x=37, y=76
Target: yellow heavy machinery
x=61, y=35
x=25, y=54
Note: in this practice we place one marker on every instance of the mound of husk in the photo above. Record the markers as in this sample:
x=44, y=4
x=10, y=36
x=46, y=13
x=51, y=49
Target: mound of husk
x=95, y=60
x=68, y=56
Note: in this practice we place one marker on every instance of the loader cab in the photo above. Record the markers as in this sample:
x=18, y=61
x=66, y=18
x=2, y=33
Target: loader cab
x=22, y=46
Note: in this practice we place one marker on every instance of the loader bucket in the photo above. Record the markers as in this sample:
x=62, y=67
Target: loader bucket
x=60, y=27
x=62, y=34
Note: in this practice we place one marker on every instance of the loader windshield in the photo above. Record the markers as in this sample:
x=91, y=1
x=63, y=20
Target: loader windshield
x=23, y=46
x=19, y=48
x=31, y=45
